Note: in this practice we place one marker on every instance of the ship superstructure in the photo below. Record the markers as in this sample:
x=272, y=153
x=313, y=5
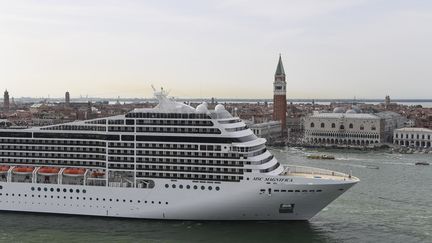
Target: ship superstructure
x=172, y=161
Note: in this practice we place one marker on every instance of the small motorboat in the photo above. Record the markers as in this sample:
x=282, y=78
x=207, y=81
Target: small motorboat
x=4, y=169
x=75, y=172
x=375, y=167
x=322, y=156
x=422, y=163
x=23, y=170
x=48, y=171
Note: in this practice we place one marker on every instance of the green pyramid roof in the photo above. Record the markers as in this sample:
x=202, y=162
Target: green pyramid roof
x=280, y=69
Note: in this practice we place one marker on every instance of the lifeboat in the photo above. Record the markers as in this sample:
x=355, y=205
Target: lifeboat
x=74, y=172
x=4, y=169
x=48, y=171
x=98, y=174
x=23, y=170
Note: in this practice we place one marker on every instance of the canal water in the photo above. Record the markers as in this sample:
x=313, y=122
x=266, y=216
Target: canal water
x=392, y=203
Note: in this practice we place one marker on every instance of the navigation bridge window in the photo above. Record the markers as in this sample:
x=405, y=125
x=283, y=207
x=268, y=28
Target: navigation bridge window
x=286, y=208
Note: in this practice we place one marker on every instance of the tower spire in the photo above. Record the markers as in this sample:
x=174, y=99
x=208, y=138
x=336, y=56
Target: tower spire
x=280, y=69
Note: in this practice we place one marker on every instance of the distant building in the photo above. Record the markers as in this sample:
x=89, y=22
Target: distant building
x=269, y=130
x=279, y=95
x=387, y=101
x=6, y=104
x=392, y=121
x=67, y=98
x=413, y=137
x=344, y=129
x=352, y=127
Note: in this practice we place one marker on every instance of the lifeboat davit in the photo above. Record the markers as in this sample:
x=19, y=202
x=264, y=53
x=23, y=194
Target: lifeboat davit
x=4, y=169
x=23, y=170
x=74, y=172
x=48, y=171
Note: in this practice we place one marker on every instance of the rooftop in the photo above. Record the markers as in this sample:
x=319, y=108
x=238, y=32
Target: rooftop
x=345, y=115
x=413, y=129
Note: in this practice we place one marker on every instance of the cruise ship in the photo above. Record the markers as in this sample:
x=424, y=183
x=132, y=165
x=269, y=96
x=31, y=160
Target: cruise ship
x=172, y=161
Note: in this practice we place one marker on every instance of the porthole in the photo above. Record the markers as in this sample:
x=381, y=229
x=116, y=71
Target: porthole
x=210, y=188
x=84, y=191
x=152, y=202
x=202, y=187
x=195, y=187
x=166, y=185
x=187, y=187
x=39, y=189
x=77, y=190
x=64, y=190
x=58, y=189
x=173, y=186
x=51, y=189
x=70, y=190
x=217, y=188
x=1, y=187
x=181, y=186
x=45, y=189
x=32, y=188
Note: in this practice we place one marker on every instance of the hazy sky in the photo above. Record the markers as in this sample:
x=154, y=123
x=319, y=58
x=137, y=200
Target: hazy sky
x=221, y=48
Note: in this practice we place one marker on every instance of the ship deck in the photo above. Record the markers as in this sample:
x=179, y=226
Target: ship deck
x=316, y=173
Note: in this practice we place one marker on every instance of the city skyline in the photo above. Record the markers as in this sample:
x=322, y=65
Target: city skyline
x=227, y=49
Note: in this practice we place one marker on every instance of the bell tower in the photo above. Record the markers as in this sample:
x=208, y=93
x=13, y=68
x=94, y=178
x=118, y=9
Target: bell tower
x=279, y=95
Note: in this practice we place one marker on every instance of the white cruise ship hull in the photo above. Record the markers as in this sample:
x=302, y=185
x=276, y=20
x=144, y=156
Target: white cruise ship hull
x=234, y=201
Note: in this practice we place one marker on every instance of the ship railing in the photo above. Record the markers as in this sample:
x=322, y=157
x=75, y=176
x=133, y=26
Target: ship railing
x=294, y=169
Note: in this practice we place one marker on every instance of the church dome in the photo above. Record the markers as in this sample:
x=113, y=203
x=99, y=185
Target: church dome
x=356, y=109
x=338, y=110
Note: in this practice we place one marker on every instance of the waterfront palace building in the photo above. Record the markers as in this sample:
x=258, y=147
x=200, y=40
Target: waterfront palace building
x=413, y=137
x=344, y=128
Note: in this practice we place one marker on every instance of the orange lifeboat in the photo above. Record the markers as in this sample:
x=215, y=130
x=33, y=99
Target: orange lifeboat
x=97, y=174
x=74, y=172
x=23, y=170
x=48, y=171
x=4, y=169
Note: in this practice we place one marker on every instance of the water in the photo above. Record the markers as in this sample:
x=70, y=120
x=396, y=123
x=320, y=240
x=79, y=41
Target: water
x=390, y=204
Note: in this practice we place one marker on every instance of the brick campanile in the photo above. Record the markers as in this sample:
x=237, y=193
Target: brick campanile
x=279, y=95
